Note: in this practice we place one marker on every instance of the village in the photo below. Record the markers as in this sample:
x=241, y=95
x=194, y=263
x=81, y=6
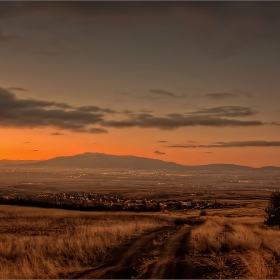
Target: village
x=96, y=201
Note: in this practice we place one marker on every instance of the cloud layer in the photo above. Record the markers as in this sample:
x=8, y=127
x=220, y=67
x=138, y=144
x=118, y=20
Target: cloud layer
x=173, y=121
x=159, y=153
x=224, y=28
x=238, y=144
x=15, y=112
x=226, y=111
x=163, y=93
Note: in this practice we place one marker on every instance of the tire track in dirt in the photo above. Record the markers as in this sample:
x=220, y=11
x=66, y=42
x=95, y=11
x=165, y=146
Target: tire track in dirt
x=160, y=254
x=126, y=260
x=172, y=264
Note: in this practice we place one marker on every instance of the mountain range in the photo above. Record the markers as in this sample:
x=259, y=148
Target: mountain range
x=103, y=161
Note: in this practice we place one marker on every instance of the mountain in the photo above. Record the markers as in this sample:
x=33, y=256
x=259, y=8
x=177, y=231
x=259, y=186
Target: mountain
x=98, y=160
x=103, y=161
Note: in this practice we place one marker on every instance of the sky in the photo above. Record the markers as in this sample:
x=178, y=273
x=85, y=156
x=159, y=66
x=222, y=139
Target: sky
x=188, y=82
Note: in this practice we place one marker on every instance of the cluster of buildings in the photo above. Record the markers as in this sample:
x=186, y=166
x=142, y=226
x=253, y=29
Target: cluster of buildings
x=97, y=201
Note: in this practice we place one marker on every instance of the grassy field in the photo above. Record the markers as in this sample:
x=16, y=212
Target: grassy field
x=48, y=243
x=257, y=246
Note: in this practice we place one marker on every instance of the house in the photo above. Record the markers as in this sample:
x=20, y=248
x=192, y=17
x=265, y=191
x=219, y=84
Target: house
x=186, y=203
x=172, y=205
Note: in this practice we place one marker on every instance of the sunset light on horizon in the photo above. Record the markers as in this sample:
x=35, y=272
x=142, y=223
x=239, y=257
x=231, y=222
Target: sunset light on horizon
x=188, y=82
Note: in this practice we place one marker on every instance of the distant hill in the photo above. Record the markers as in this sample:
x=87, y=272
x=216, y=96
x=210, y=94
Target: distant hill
x=98, y=160
x=103, y=161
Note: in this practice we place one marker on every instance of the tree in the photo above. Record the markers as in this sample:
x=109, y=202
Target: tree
x=203, y=213
x=273, y=210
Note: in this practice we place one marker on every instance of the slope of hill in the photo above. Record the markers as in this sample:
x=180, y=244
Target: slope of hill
x=103, y=161
x=220, y=167
x=98, y=160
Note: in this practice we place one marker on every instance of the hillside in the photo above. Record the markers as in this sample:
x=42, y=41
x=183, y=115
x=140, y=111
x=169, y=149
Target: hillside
x=98, y=160
x=103, y=161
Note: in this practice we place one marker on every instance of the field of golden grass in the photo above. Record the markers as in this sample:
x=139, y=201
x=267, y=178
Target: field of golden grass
x=257, y=246
x=49, y=243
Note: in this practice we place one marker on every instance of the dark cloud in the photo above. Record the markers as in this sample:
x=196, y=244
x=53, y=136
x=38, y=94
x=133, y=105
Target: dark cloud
x=15, y=112
x=10, y=101
x=173, y=121
x=162, y=93
x=127, y=112
x=221, y=95
x=97, y=130
x=33, y=150
x=57, y=134
x=17, y=88
x=208, y=152
x=95, y=109
x=158, y=93
x=117, y=12
x=133, y=11
x=162, y=141
x=222, y=28
x=159, y=153
x=26, y=142
x=238, y=144
x=226, y=111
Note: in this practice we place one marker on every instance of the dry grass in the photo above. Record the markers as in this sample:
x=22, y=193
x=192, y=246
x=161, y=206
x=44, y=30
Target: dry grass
x=39, y=243
x=221, y=262
x=218, y=234
x=257, y=264
x=256, y=245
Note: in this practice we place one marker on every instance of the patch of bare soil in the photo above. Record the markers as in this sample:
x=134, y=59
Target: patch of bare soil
x=170, y=264
x=165, y=254
x=124, y=261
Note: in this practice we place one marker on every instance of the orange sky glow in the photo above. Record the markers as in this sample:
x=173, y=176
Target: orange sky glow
x=176, y=81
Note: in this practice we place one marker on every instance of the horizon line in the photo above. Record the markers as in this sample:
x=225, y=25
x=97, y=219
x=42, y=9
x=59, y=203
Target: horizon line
x=39, y=160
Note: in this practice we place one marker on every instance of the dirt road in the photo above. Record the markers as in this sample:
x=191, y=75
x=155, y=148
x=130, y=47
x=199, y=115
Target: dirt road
x=161, y=254
x=156, y=254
